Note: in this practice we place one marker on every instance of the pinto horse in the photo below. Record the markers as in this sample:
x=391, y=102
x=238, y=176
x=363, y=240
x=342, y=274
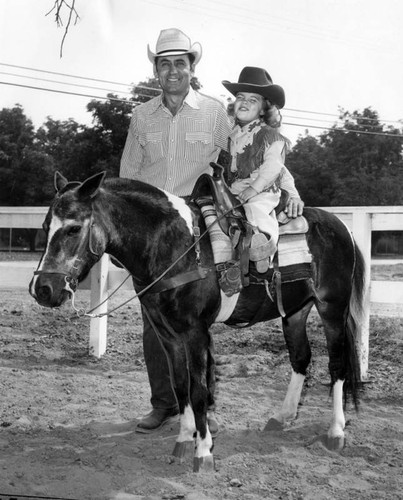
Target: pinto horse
x=152, y=234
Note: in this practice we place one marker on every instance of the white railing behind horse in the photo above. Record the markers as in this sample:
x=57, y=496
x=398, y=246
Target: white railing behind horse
x=104, y=276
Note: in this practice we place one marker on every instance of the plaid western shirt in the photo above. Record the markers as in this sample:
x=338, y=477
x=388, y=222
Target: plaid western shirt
x=171, y=152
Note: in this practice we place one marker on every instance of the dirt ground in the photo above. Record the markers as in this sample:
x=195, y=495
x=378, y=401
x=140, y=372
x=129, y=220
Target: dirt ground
x=67, y=420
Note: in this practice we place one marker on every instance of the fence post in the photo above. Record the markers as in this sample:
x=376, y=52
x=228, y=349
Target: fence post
x=99, y=292
x=361, y=228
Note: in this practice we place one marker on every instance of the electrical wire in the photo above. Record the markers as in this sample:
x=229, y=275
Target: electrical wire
x=81, y=85
x=346, y=130
x=78, y=77
x=116, y=99
x=156, y=90
x=264, y=19
x=58, y=91
x=65, y=92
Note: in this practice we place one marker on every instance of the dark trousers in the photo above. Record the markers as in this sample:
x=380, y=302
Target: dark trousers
x=162, y=395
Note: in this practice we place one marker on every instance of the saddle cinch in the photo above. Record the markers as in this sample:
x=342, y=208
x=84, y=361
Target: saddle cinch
x=231, y=234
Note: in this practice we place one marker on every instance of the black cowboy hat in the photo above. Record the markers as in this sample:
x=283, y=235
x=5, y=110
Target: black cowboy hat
x=258, y=81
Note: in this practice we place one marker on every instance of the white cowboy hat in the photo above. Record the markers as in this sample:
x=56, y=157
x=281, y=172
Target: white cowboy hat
x=172, y=42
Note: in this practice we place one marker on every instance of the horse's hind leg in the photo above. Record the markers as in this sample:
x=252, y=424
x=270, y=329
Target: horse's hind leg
x=294, y=329
x=333, y=322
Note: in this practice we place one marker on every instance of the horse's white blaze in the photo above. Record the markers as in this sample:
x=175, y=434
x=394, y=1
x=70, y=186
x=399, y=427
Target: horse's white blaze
x=187, y=425
x=204, y=446
x=291, y=400
x=338, y=421
x=55, y=225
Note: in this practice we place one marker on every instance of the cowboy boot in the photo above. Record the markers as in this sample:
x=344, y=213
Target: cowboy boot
x=261, y=251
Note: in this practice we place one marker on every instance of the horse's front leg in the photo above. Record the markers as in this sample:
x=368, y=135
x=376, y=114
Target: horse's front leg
x=203, y=458
x=190, y=437
x=187, y=430
x=193, y=396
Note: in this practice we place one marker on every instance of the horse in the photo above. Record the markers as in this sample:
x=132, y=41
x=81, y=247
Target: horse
x=153, y=235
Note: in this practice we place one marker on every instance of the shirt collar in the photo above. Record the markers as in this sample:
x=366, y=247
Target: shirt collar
x=251, y=126
x=247, y=129
x=190, y=99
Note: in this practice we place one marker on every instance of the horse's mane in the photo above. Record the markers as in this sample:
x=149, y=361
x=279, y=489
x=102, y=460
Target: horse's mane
x=137, y=192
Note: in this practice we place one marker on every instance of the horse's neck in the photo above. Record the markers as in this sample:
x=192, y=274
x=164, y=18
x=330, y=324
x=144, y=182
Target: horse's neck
x=138, y=227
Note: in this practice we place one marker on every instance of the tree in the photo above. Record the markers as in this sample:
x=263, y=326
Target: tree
x=146, y=90
x=357, y=164
x=314, y=180
x=78, y=151
x=25, y=171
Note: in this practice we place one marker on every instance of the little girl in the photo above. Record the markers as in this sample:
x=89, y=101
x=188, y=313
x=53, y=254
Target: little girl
x=258, y=151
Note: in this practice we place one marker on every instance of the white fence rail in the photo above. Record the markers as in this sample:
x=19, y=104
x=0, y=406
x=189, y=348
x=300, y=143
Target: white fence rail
x=104, y=276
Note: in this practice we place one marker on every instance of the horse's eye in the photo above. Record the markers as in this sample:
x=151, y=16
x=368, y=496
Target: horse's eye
x=73, y=230
x=45, y=227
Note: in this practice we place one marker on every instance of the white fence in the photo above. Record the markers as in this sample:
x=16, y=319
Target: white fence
x=104, y=276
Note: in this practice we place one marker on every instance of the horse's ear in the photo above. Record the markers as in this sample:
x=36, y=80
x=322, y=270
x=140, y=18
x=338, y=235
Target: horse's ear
x=59, y=181
x=89, y=188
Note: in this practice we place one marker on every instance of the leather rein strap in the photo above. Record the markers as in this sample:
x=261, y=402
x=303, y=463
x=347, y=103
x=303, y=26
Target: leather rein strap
x=179, y=280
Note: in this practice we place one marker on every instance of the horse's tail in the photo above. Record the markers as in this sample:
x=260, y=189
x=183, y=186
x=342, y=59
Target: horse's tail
x=353, y=323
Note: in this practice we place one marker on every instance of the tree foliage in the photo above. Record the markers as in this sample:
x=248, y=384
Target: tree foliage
x=25, y=171
x=348, y=166
x=146, y=90
x=358, y=164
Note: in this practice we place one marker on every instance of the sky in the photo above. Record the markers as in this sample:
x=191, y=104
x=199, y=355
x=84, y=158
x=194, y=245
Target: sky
x=326, y=54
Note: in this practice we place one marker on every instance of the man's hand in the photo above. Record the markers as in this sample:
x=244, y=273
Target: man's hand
x=294, y=208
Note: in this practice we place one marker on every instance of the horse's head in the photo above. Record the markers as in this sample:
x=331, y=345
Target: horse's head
x=74, y=241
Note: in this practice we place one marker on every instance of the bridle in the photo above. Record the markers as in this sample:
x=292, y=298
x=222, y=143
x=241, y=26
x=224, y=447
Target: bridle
x=159, y=284
x=156, y=286
x=71, y=278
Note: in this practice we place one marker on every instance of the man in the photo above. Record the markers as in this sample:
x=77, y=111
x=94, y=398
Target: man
x=171, y=141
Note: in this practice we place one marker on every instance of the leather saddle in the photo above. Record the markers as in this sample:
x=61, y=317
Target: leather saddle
x=213, y=190
x=230, y=212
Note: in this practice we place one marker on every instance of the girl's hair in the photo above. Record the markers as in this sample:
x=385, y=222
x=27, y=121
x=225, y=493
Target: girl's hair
x=271, y=113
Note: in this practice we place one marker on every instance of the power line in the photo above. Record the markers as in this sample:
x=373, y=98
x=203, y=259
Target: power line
x=134, y=103
x=78, y=77
x=156, y=90
x=65, y=92
x=397, y=122
x=365, y=132
x=263, y=19
x=376, y=126
x=62, y=74
x=63, y=83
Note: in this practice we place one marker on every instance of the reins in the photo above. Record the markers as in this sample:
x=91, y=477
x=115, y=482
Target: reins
x=200, y=273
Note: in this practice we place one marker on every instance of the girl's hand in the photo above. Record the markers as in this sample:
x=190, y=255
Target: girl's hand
x=294, y=207
x=247, y=193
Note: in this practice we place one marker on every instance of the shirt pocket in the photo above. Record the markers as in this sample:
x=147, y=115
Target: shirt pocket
x=152, y=144
x=198, y=145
